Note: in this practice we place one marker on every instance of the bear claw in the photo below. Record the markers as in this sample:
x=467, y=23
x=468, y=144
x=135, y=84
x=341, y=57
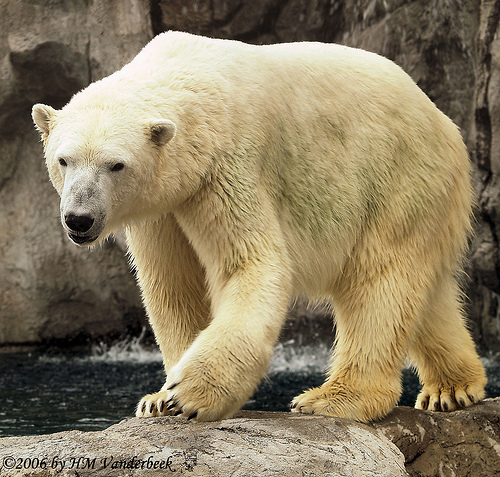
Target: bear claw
x=449, y=398
x=172, y=405
x=169, y=401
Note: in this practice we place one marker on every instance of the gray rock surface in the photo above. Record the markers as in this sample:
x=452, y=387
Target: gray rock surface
x=461, y=443
x=49, y=290
x=485, y=293
x=256, y=444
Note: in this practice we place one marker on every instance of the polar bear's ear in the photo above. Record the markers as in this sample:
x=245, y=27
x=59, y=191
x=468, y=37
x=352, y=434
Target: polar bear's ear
x=162, y=131
x=42, y=116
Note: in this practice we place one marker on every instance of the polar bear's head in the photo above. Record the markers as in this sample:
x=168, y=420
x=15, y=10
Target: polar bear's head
x=105, y=168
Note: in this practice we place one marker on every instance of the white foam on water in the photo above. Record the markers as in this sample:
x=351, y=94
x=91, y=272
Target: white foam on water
x=286, y=358
x=130, y=350
x=491, y=359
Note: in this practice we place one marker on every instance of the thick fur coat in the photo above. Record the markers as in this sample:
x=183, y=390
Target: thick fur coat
x=245, y=175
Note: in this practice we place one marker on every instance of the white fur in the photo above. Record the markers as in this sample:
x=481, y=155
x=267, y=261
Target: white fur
x=253, y=173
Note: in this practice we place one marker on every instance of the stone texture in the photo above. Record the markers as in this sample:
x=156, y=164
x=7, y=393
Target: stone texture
x=485, y=293
x=460, y=443
x=256, y=444
x=49, y=289
x=407, y=442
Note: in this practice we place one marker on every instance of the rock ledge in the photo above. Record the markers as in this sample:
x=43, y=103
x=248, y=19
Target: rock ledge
x=265, y=443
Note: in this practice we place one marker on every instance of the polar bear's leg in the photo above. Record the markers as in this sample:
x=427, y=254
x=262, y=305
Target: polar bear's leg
x=373, y=324
x=378, y=300
x=447, y=363
x=174, y=292
x=227, y=360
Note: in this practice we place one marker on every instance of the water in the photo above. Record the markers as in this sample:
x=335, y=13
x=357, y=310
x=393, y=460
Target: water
x=45, y=393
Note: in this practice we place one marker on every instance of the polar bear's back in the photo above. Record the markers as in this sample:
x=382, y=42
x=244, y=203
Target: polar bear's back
x=375, y=137
x=373, y=133
x=296, y=82
x=242, y=63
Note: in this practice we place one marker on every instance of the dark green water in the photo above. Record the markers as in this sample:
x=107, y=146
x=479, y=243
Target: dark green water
x=45, y=393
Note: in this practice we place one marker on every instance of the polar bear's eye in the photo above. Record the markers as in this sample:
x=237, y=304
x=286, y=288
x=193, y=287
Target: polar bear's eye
x=117, y=167
x=62, y=162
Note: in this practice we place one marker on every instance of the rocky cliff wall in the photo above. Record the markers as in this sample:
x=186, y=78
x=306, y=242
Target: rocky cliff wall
x=49, y=50
x=49, y=289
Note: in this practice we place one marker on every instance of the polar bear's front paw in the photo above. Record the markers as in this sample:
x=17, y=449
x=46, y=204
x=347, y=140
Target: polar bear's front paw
x=197, y=391
x=449, y=398
x=158, y=404
x=147, y=406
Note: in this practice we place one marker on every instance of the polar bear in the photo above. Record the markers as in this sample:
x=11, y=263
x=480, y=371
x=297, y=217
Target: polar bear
x=244, y=175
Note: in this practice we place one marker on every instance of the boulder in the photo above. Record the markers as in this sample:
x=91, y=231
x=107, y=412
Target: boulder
x=461, y=443
x=251, y=444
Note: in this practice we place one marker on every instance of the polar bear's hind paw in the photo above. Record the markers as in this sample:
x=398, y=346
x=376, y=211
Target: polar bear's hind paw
x=449, y=398
x=342, y=400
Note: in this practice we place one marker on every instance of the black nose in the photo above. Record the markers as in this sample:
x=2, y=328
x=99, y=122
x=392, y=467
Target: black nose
x=78, y=223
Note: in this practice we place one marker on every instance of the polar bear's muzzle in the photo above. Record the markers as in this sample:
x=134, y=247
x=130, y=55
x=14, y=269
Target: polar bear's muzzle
x=83, y=226
x=82, y=229
x=83, y=207
x=79, y=227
